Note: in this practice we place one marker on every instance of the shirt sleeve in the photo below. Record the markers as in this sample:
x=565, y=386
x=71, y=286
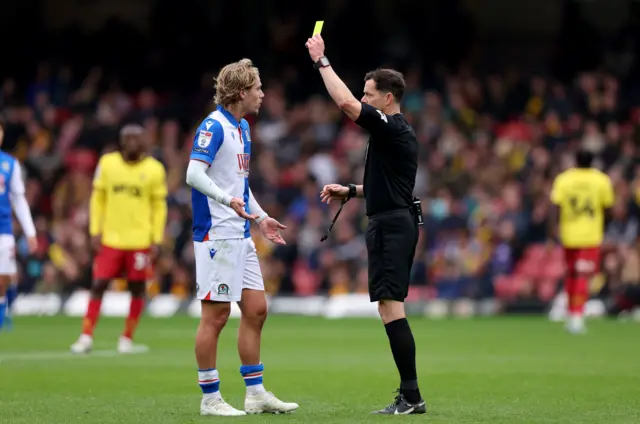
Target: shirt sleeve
x=17, y=185
x=159, y=206
x=556, y=192
x=207, y=141
x=99, y=179
x=255, y=208
x=19, y=202
x=373, y=120
x=159, y=189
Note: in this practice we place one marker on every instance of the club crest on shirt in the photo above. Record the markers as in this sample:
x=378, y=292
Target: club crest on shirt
x=243, y=164
x=204, y=138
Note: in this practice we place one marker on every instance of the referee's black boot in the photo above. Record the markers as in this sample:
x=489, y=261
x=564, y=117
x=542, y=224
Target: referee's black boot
x=401, y=406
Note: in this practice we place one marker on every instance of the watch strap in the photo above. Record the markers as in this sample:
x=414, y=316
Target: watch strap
x=323, y=62
x=352, y=191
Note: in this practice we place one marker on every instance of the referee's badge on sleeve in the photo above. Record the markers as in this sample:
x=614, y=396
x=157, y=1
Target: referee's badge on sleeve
x=204, y=138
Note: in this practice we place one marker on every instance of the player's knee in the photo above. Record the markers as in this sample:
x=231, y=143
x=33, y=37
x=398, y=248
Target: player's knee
x=390, y=310
x=216, y=316
x=98, y=288
x=257, y=314
x=4, y=284
x=137, y=288
x=5, y=280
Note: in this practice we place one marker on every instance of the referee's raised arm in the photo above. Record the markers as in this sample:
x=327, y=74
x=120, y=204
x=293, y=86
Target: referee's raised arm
x=337, y=89
x=373, y=111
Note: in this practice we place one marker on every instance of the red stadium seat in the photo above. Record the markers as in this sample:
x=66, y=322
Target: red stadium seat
x=416, y=294
x=305, y=281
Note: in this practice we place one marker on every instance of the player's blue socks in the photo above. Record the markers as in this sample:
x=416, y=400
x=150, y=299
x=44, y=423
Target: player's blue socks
x=252, y=375
x=3, y=309
x=12, y=294
x=209, y=382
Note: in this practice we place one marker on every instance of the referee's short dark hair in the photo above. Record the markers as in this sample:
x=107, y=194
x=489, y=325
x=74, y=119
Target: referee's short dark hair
x=388, y=81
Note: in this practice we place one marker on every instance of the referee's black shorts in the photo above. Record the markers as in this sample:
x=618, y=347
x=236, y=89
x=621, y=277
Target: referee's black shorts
x=391, y=238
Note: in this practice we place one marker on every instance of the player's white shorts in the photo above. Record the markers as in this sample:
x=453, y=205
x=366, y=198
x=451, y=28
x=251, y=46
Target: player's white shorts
x=7, y=254
x=225, y=267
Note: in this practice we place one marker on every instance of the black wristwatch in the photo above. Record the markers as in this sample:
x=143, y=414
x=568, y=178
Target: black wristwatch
x=352, y=191
x=323, y=62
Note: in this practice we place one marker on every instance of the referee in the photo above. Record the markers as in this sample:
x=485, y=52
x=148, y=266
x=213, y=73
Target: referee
x=392, y=233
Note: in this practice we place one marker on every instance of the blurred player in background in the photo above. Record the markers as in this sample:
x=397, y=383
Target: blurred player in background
x=227, y=267
x=128, y=213
x=582, y=194
x=11, y=198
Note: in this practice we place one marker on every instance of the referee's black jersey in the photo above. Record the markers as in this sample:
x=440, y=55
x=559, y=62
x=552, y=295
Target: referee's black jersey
x=391, y=160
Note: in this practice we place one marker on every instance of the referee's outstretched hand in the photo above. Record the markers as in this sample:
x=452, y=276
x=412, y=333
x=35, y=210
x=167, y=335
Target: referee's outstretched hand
x=237, y=205
x=333, y=191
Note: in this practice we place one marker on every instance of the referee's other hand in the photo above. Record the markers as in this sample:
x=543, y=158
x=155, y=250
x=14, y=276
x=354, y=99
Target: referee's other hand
x=333, y=191
x=237, y=205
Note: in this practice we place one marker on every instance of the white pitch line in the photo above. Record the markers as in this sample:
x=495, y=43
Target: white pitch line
x=59, y=355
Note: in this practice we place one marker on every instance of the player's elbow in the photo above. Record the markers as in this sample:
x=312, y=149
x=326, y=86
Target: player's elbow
x=189, y=179
x=347, y=104
x=191, y=176
x=351, y=107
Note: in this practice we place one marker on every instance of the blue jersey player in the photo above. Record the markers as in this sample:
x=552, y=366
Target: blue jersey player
x=11, y=198
x=227, y=267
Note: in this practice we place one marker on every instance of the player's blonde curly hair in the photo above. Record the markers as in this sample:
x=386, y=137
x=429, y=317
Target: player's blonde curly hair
x=232, y=79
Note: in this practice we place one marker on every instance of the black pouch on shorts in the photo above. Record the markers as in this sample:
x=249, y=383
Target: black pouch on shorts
x=416, y=209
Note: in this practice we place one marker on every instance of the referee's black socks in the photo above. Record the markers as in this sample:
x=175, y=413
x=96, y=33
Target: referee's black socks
x=403, y=348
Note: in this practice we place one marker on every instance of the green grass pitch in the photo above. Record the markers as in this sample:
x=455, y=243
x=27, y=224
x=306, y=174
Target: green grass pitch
x=498, y=370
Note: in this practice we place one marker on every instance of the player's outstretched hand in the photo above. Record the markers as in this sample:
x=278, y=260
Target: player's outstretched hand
x=315, y=45
x=333, y=191
x=32, y=242
x=269, y=228
x=237, y=205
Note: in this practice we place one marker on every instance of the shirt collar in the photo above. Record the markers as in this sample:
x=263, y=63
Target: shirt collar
x=229, y=116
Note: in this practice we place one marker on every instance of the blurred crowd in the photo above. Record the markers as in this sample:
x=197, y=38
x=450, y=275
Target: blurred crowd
x=489, y=149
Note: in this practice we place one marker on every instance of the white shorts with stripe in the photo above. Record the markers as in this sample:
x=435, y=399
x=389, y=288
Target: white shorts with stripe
x=225, y=267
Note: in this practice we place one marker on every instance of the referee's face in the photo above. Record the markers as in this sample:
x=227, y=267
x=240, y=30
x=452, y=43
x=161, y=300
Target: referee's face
x=372, y=96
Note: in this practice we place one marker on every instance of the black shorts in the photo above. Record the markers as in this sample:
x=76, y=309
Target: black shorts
x=391, y=244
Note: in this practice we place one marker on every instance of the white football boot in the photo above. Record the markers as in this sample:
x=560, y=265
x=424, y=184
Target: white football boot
x=126, y=345
x=575, y=325
x=217, y=406
x=266, y=402
x=83, y=345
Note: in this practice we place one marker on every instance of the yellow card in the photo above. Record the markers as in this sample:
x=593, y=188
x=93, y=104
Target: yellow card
x=318, y=28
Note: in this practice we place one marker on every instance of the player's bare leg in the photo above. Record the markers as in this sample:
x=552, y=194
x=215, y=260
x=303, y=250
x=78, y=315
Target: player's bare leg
x=213, y=319
x=84, y=344
x=125, y=343
x=253, y=306
x=5, y=280
x=409, y=400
